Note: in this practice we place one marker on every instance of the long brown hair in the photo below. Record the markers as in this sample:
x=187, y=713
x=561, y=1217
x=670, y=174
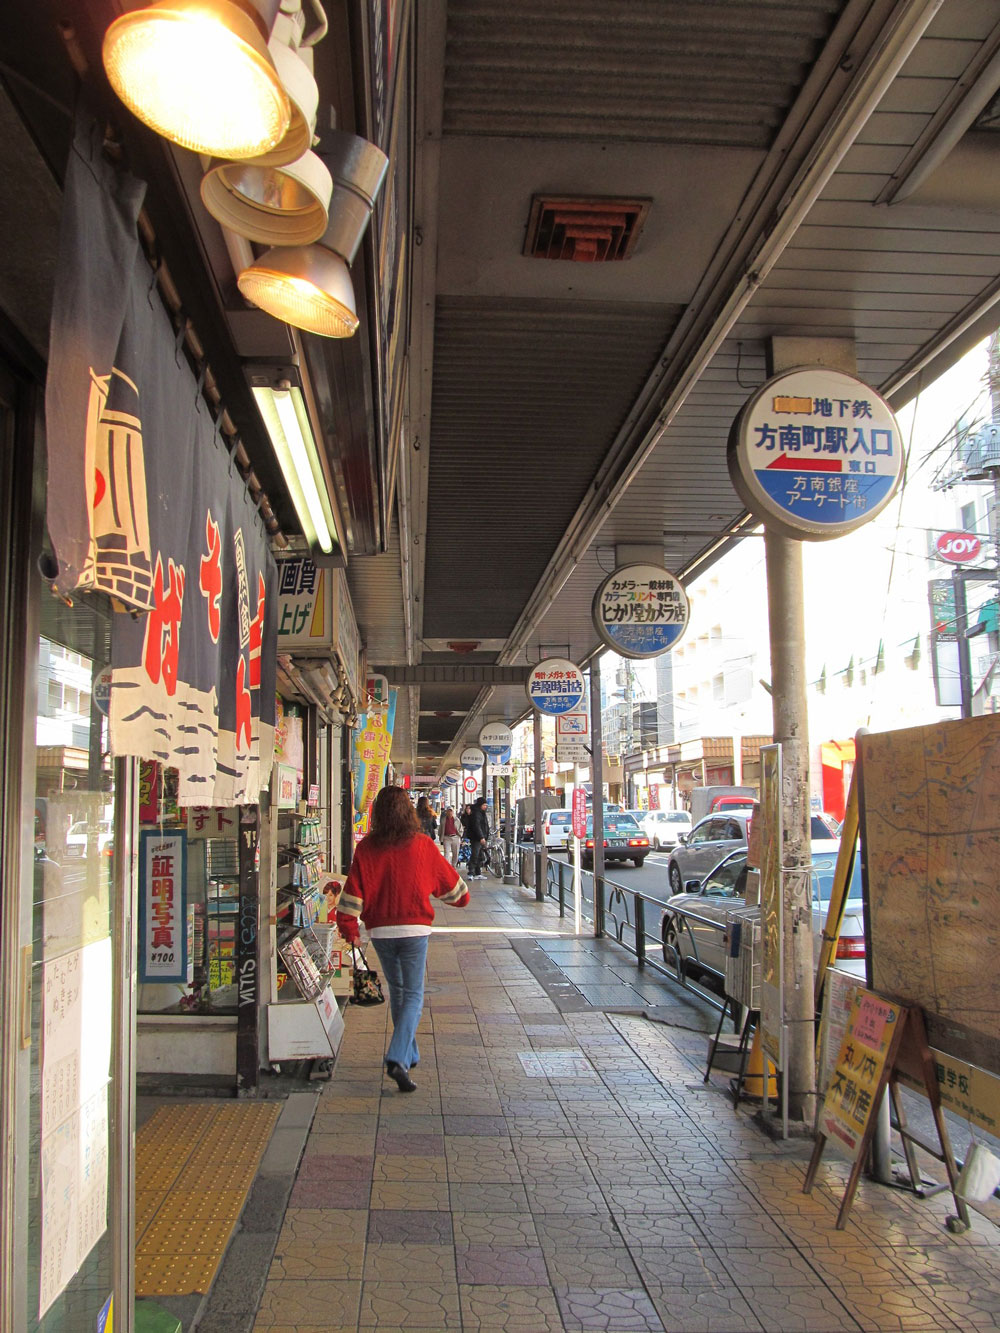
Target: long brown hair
x=393, y=817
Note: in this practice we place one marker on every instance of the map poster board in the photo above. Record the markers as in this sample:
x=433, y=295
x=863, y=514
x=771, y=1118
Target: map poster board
x=768, y=822
x=930, y=834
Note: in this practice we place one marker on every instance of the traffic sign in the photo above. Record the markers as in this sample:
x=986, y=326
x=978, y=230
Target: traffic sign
x=496, y=737
x=472, y=757
x=571, y=752
x=641, y=611
x=556, y=685
x=958, y=548
x=471, y=785
x=815, y=453
x=499, y=770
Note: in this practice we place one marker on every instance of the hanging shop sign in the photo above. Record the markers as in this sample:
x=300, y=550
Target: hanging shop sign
x=496, y=738
x=162, y=950
x=815, y=453
x=641, y=611
x=556, y=686
x=579, y=816
x=305, y=607
x=958, y=548
x=372, y=744
x=377, y=691
x=472, y=757
x=144, y=505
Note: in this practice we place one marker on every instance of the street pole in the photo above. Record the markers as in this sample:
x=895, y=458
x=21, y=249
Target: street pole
x=597, y=784
x=577, y=876
x=791, y=732
x=539, y=841
x=962, y=643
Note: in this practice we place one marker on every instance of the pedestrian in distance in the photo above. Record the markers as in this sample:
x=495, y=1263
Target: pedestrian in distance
x=395, y=874
x=451, y=835
x=479, y=836
x=428, y=820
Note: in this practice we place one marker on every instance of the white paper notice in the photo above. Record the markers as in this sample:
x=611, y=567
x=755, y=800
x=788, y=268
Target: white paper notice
x=74, y=1195
x=76, y=1030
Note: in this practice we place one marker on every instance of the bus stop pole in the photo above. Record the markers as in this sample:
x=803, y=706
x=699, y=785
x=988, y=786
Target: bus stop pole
x=539, y=839
x=597, y=785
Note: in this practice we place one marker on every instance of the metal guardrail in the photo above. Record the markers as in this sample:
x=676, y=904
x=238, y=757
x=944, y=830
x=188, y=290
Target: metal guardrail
x=626, y=919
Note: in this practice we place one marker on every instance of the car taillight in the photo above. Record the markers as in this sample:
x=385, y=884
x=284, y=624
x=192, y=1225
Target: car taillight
x=590, y=842
x=638, y=842
x=851, y=946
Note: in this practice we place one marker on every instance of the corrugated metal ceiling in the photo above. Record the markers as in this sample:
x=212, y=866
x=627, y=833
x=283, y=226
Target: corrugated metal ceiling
x=527, y=396
x=707, y=71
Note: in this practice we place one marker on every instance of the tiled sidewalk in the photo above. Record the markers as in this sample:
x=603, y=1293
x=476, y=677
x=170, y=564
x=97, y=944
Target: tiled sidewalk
x=563, y=1168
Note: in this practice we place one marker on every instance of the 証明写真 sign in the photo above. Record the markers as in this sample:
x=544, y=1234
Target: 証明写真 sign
x=815, y=453
x=556, y=685
x=640, y=611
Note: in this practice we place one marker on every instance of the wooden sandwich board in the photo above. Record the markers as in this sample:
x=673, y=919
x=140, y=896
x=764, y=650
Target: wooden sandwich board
x=884, y=1042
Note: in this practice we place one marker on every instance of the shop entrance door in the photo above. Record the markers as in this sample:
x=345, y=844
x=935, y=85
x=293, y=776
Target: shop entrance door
x=68, y=1086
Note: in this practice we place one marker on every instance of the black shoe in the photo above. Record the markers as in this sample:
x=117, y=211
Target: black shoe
x=403, y=1080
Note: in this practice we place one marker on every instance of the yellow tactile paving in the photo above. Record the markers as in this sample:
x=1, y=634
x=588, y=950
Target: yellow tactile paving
x=195, y=1164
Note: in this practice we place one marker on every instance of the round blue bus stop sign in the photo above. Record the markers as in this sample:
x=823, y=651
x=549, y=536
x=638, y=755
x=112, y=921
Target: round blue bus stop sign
x=815, y=453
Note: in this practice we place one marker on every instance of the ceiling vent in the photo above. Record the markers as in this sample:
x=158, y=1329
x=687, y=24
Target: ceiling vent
x=589, y=231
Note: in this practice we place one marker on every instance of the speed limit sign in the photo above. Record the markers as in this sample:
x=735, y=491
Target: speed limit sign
x=471, y=784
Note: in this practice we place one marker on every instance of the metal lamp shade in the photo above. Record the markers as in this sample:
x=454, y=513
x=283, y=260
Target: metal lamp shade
x=274, y=205
x=199, y=74
x=303, y=96
x=308, y=287
x=358, y=169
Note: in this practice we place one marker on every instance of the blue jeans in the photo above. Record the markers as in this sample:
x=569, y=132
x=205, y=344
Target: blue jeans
x=404, y=961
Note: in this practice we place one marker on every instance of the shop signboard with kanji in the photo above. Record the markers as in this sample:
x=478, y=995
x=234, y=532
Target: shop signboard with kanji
x=851, y=1097
x=348, y=639
x=815, y=453
x=556, y=686
x=144, y=504
x=207, y=821
x=305, y=607
x=162, y=950
x=641, y=611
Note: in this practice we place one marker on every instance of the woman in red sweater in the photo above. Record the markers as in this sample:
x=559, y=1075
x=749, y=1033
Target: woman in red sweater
x=395, y=873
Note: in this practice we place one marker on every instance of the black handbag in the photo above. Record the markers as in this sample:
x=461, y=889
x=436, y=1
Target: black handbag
x=367, y=987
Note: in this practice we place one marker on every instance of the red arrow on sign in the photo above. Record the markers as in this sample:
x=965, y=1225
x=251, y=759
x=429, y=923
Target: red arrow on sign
x=787, y=463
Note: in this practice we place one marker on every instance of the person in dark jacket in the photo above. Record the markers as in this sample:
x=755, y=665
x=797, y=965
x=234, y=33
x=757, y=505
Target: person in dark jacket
x=425, y=813
x=479, y=835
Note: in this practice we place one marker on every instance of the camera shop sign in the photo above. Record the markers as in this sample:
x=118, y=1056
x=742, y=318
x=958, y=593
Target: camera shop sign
x=815, y=453
x=641, y=611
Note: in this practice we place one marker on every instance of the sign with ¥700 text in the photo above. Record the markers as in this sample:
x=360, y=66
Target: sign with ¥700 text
x=815, y=453
x=556, y=686
x=641, y=611
x=162, y=906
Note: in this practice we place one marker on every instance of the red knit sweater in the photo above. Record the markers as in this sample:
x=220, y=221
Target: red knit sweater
x=393, y=886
